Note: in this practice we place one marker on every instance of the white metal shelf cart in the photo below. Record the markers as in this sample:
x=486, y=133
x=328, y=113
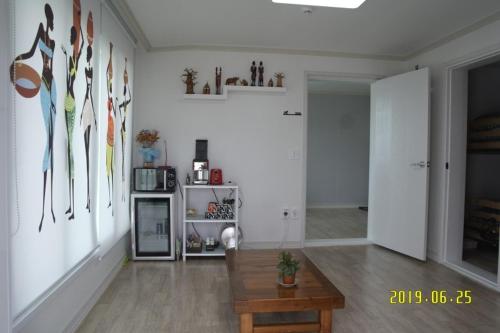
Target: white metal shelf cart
x=200, y=219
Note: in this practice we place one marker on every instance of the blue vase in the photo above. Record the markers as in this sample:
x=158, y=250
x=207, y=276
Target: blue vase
x=149, y=155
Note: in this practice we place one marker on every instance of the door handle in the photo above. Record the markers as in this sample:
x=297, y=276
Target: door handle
x=421, y=164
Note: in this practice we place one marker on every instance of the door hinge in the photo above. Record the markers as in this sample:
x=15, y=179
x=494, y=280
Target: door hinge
x=447, y=166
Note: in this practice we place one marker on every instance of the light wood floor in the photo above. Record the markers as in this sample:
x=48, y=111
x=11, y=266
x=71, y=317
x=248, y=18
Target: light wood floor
x=336, y=223
x=194, y=296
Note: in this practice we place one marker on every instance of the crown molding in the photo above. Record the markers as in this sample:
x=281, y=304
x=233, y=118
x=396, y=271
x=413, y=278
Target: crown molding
x=127, y=19
x=251, y=49
x=456, y=35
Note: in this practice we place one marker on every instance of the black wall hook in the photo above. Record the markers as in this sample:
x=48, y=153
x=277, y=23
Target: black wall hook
x=285, y=113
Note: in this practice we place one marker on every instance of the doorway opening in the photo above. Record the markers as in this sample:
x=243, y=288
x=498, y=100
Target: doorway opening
x=338, y=151
x=473, y=213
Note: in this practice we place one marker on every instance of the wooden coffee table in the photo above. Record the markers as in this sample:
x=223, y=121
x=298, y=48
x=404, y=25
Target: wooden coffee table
x=253, y=275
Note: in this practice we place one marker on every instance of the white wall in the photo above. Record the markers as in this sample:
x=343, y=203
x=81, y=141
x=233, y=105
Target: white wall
x=338, y=146
x=249, y=138
x=479, y=42
x=5, y=40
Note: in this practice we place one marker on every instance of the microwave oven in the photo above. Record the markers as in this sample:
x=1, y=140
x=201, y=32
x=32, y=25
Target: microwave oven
x=162, y=179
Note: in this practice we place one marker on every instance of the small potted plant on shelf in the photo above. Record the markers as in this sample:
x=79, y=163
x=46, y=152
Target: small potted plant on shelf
x=287, y=267
x=147, y=138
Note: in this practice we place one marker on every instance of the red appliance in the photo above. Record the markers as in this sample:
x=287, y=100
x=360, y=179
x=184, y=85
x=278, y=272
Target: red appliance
x=216, y=177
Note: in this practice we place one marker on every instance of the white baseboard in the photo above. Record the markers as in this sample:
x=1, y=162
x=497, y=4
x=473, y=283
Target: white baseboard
x=473, y=276
x=337, y=242
x=434, y=256
x=269, y=245
x=334, y=206
x=80, y=317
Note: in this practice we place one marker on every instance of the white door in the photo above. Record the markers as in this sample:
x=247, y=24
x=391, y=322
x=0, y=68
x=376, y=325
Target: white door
x=399, y=157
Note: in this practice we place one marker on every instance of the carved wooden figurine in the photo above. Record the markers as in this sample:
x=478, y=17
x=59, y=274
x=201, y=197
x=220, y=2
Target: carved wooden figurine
x=244, y=83
x=279, y=79
x=206, y=89
x=218, y=80
x=253, y=70
x=232, y=81
x=261, y=74
x=189, y=76
x=270, y=83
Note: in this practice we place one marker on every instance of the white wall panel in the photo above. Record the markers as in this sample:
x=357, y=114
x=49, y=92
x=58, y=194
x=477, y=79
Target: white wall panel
x=248, y=136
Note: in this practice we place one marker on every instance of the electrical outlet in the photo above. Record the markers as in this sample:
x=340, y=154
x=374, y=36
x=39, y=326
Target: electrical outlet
x=294, y=213
x=285, y=213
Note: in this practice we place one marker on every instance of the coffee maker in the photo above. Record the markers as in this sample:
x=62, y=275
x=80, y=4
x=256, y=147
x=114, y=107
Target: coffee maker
x=200, y=163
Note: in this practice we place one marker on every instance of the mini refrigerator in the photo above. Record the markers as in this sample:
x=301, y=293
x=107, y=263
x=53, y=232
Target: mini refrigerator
x=153, y=226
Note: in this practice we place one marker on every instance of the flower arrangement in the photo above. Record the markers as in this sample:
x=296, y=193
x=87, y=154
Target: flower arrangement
x=147, y=138
x=287, y=267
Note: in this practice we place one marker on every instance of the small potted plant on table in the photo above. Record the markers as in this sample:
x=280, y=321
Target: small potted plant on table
x=287, y=267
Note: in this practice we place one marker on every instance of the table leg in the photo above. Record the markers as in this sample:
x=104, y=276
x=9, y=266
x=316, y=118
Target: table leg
x=246, y=323
x=326, y=321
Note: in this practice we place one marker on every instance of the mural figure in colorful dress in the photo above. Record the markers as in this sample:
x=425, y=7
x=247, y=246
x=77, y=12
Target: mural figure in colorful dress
x=123, y=116
x=110, y=137
x=48, y=96
x=88, y=116
x=70, y=111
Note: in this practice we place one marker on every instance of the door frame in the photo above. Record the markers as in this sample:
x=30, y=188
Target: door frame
x=451, y=68
x=337, y=76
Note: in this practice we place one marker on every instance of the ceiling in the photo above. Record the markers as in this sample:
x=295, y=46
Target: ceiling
x=382, y=28
x=332, y=87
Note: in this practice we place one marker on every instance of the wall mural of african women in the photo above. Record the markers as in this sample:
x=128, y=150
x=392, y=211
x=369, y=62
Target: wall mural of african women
x=88, y=116
x=66, y=141
x=69, y=100
x=127, y=98
x=116, y=77
x=110, y=134
x=28, y=84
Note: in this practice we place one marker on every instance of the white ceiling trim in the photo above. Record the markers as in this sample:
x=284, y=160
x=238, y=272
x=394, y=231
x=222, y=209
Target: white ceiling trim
x=252, y=49
x=457, y=34
x=125, y=13
x=129, y=22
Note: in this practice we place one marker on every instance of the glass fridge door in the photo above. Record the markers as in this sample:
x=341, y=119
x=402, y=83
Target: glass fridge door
x=152, y=227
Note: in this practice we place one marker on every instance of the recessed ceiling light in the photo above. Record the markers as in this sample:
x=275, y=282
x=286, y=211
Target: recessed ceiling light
x=324, y=3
